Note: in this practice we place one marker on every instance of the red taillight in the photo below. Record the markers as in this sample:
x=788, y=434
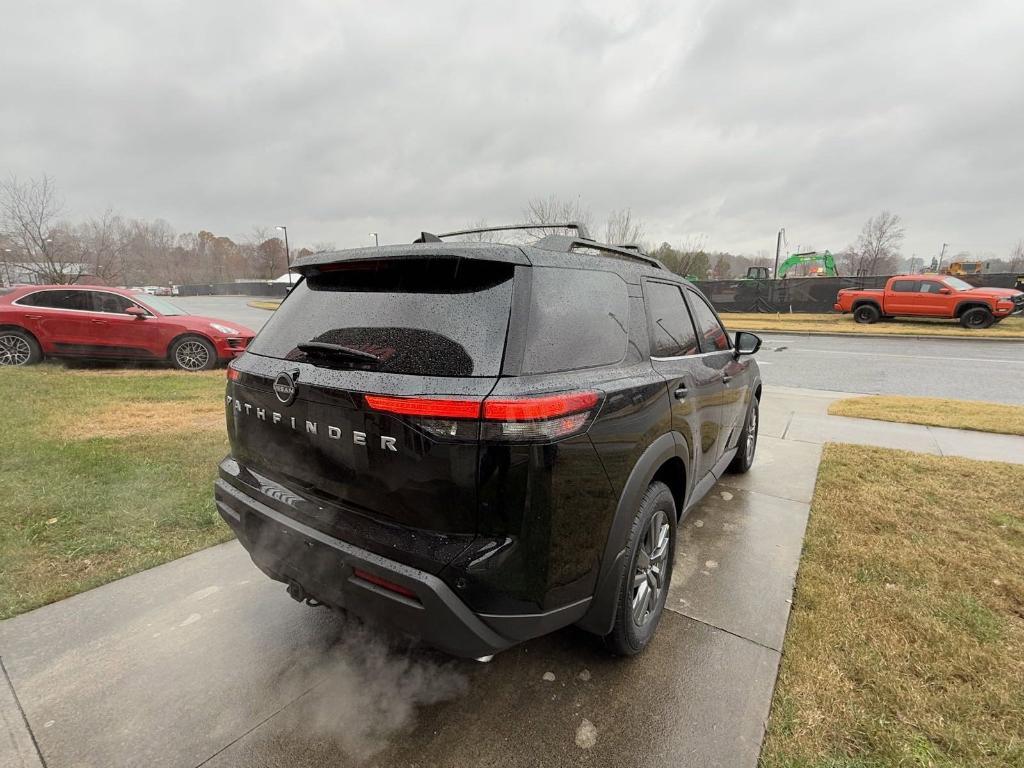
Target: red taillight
x=430, y=407
x=543, y=407
x=384, y=583
x=233, y=375
x=529, y=418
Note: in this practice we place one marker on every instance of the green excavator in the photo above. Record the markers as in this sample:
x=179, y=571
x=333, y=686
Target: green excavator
x=825, y=259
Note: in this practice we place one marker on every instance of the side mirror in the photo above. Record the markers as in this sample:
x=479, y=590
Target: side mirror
x=944, y=290
x=747, y=343
x=137, y=312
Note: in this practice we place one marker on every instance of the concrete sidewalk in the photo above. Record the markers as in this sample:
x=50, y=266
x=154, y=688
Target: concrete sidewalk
x=802, y=415
x=204, y=661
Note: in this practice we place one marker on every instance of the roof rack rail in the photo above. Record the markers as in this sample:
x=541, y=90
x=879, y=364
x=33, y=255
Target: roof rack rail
x=581, y=231
x=562, y=243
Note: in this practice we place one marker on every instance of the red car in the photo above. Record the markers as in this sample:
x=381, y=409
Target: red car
x=84, y=321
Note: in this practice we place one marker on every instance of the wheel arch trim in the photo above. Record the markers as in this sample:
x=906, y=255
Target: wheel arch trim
x=185, y=335
x=967, y=304
x=601, y=615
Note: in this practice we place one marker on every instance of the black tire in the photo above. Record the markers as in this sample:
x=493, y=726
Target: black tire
x=744, y=458
x=866, y=313
x=192, y=353
x=977, y=318
x=651, y=548
x=18, y=347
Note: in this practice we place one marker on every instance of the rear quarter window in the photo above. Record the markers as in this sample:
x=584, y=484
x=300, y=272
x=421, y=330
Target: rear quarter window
x=578, y=319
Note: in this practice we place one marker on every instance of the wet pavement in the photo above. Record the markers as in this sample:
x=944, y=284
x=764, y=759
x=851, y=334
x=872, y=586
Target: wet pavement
x=204, y=661
x=961, y=369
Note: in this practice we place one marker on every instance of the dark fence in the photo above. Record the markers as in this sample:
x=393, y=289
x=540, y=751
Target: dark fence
x=806, y=294
x=234, y=289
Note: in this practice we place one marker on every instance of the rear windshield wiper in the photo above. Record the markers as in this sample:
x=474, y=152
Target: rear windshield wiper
x=337, y=350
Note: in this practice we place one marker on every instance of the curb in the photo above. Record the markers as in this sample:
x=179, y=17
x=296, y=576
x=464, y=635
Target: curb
x=1011, y=339
x=261, y=305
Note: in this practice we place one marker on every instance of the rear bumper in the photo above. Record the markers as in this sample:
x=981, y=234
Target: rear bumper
x=324, y=567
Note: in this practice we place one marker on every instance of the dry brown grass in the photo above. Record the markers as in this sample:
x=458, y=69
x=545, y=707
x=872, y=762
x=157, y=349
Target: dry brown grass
x=906, y=642
x=147, y=418
x=1010, y=328
x=935, y=412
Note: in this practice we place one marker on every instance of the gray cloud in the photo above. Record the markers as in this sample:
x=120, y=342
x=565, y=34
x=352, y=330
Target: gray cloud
x=723, y=118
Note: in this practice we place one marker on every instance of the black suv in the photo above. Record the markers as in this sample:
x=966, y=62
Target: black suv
x=481, y=443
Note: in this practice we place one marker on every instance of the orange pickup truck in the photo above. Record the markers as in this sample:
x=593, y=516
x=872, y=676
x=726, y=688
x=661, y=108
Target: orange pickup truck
x=931, y=296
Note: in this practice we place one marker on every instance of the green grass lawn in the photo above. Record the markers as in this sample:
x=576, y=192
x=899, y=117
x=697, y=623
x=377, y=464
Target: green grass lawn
x=905, y=646
x=103, y=473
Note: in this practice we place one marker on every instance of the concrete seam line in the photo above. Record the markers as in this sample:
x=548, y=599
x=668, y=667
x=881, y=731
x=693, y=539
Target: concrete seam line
x=789, y=421
x=262, y=722
x=16, y=725
x=709, y=625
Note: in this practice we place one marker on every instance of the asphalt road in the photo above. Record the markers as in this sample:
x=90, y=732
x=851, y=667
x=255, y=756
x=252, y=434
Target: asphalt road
x=964, y=370
x=234, y=309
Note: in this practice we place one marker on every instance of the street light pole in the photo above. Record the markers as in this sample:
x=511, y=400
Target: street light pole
x=376, y=240
x=778, y=249
x=287, y=254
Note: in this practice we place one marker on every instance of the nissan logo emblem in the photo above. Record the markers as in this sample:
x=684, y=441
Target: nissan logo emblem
x=285, y=388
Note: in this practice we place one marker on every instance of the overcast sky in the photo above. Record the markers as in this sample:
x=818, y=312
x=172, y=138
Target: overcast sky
x=724, y=120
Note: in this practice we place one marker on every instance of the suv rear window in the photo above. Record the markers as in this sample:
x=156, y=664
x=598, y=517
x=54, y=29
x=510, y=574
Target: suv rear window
x=578, y=319
x=430, y=317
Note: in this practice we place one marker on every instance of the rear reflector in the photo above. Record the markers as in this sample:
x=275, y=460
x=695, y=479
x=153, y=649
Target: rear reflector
x=384, y=583
x=543, y=407
x=433, y=407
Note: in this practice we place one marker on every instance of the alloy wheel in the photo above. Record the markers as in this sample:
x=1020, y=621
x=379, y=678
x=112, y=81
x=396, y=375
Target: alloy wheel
x=650, y=570
x=751, y=445
x=14, y=350
x=192, y=355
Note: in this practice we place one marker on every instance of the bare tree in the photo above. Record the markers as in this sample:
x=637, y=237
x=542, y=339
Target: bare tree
x=264, y=253
x=485, y=237
x=623, y=229
x=29, y=214
x=877, y=249
x=555, y=210
x=101, y=247
x=1017, y=257
x=690, y=259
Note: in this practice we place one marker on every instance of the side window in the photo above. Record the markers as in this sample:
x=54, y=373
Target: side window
x=59, y=300
x=578, y=319
x=672, y=332
x=904, y=286
x=110, y=302
x=930, y=286
x=713, y=337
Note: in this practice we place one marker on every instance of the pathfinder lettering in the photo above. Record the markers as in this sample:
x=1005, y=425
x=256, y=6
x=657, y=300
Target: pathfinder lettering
x=310, y=427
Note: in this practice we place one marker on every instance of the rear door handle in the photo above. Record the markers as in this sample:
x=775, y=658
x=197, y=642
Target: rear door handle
x=726, y=378
x=33, y=317
x=680, y=392
x=99, y=322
